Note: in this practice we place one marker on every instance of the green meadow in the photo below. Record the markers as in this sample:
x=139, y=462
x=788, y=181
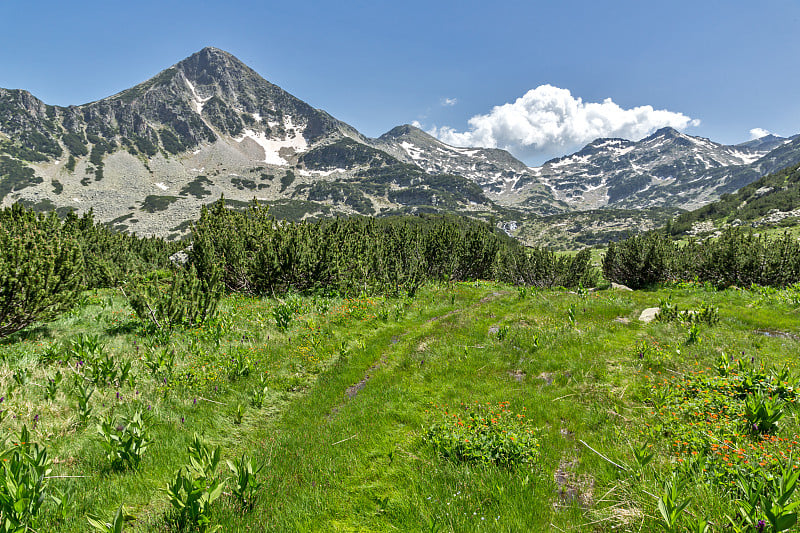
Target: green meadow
x=472, y=406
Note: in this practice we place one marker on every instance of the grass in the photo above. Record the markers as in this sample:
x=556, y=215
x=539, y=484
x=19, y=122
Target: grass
x=353, y=389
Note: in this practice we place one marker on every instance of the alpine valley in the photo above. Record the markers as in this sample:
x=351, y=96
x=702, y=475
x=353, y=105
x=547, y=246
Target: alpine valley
x=146, y=160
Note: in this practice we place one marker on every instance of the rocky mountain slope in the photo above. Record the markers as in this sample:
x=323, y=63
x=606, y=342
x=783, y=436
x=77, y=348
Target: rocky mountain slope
x=148, y=158
x=666, y=169
x=773, y=200
x=496, y=171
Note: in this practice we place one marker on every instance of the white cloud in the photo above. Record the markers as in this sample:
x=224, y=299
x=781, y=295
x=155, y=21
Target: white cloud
x=449, y=102
x=757, y=133
x=549, y=121
x=417, y=124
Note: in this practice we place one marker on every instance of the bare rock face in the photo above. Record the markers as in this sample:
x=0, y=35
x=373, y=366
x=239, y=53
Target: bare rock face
x=182, y=257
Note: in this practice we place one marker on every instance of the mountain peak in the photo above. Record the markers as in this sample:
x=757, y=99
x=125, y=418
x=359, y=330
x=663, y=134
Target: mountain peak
x=668, y=132
x=212, y=50
x=210, y=56
x=606, y=142
x=212, y=66
x=404, y=131
x=767, y=142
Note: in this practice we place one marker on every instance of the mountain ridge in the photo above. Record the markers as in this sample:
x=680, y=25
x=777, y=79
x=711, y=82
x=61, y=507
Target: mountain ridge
x=147, y=157
x=665, y=169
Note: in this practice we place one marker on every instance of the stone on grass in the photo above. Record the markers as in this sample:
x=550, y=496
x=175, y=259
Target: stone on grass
x=649, y=314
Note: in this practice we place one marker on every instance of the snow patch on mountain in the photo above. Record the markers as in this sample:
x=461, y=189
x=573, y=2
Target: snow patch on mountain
x=748, y=158
x=571, y=160
x=197, y=102
x=413, y=151
x=469, y=152
x=273, y=147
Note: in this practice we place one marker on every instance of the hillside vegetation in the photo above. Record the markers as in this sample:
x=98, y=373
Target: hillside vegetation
x=775, y=193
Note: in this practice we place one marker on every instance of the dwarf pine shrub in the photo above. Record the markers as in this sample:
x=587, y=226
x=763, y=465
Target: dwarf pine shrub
x=183, y=300
x=736, y=257
x=40, y=269
x=640, y=260
x=111, y=257
x=393, y=255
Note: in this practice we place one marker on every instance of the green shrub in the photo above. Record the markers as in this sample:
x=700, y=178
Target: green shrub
x=96, y=157
x=75, y=143
x=186, y=300
x=347, y=154
x=15, y=176
x=354, y=255
x=153, y=203
x=111, y=257
x=734, y=258
x=640, y=260
x=742, y=258
x=40, y=269
x=145, y=145
x=196, y=187
x=171, y=142
x=287, y=180
x=539, y=267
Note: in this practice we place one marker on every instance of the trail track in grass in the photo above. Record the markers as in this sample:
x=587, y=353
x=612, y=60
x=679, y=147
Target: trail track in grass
x=354, y=389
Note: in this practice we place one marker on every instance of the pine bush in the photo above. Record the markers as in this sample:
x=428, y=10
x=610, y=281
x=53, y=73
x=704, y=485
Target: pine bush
x=393, y=255
x=640, y=260
x=41, y=269
x=736, y=257
x=184, y=299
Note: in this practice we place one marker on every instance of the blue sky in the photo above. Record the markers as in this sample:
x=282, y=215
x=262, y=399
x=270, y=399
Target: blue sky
x=718, y=69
